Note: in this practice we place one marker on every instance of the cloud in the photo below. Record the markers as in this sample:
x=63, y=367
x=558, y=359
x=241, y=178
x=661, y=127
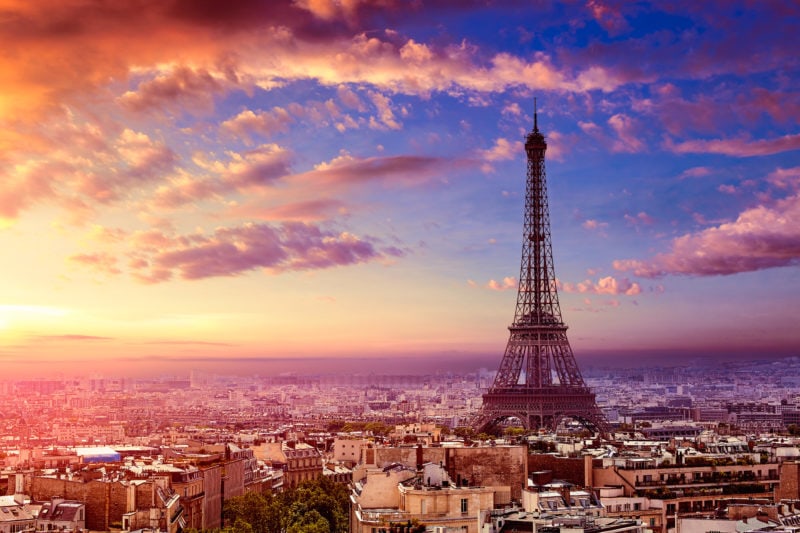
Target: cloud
x=695, y=172
x=606, y=285
x=507, y=283
x=608, y=16
x=315, y=210
x=626, y=129
x=182, y=89
x=71, y=337
x=386, y=116
x=260, y=166
x=347, y=10
x=346, y=169
x=263, y=123
x=285, y=247
x=502, y=150
x=785, y=178
x=737, y=147
x=101, y=262
x=26, y=184
x=595, y=225
x=639, y=219
x=760, y=238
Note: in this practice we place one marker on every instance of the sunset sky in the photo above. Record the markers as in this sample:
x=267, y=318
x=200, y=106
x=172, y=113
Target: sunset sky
x=190, y=180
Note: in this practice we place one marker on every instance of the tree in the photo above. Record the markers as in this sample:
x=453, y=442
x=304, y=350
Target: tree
x=309, y=522
x=261, y=512
x=318, y=506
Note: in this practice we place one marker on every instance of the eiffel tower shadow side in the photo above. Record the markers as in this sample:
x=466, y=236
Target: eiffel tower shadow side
x=539, y=382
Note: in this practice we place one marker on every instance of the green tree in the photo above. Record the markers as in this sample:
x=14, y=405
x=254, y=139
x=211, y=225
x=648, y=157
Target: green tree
x=318, y=506
x=262, y=513
x=309, y=522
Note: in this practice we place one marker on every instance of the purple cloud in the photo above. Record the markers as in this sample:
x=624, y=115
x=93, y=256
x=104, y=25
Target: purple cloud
x=281, y=248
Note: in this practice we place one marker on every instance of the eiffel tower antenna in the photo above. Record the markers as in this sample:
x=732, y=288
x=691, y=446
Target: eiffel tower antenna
x=538, y=382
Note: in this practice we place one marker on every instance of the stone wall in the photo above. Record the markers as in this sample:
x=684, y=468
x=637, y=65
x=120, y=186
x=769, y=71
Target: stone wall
x=565, y=468
x=494, y=466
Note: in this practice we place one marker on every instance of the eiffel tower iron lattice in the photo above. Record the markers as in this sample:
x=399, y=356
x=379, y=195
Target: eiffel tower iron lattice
x=539, y=382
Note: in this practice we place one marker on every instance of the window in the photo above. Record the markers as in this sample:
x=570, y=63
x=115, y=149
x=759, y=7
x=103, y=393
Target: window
x=464, y=505
x=652, y=522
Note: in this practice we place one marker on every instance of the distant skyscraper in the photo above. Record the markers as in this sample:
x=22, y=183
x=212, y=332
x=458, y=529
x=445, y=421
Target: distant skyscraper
x=538, y=382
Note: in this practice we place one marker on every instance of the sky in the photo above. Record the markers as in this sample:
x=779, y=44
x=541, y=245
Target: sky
x=198, y=184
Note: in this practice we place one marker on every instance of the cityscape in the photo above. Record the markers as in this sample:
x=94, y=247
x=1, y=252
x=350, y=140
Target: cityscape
x=243, y=259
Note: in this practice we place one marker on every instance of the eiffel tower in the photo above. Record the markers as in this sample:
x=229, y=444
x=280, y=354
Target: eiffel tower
x=538, y=382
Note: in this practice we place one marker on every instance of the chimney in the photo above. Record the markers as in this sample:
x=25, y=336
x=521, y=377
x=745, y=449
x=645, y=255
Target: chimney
x=419, y=456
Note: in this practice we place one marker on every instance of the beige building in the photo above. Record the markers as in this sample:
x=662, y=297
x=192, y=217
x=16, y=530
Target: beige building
x=398, y=495
x=14, y=516
x=348, y=451
x=299, y=461
x=699, y=486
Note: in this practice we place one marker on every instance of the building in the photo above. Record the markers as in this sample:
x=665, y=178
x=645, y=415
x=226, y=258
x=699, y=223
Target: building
x=348, y=450
x=298, y=460
x=14, y=516
x=62, y=515
x=698, y=485
x=398, y=495
x=519, y=521
x=504, y=467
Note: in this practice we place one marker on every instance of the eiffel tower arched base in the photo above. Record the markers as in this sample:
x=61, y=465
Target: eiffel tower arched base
x=540, y=408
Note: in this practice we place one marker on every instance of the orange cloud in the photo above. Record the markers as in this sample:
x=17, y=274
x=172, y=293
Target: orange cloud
x=505, y=284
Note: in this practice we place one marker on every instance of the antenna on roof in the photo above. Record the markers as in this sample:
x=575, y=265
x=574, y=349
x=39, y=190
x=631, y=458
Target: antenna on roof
x=535, y=116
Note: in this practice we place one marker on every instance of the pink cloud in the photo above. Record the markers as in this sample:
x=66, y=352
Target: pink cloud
x=639, y=219
x=105, y=263
x=385, y=117
x=503, y=149
x=304, y=211
x=695, y=172
x=737, y=147
x=626, y=130
x=260, y=166
x=350, y=99
x=591, y=224
x=346, y=169
x=780, y=106
x=606, y=285
x=507, y=283
x=760, y=238
x=785, y=178
x=608, y=16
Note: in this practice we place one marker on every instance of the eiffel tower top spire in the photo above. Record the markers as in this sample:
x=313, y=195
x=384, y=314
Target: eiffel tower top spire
x=537, y=298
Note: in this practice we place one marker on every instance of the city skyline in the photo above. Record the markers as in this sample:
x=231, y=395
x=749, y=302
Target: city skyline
x=189, y=183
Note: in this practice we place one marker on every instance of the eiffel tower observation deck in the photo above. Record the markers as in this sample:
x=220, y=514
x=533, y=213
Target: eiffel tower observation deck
x=539, y=382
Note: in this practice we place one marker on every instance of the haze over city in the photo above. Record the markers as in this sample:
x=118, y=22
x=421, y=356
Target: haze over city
x=191, y=184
